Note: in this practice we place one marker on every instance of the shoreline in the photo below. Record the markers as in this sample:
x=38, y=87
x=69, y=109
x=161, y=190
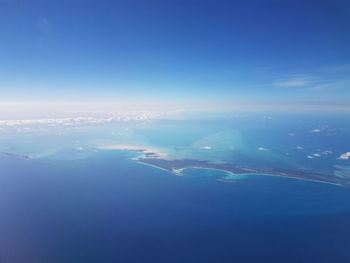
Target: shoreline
x=156, y=159
x=178, y=169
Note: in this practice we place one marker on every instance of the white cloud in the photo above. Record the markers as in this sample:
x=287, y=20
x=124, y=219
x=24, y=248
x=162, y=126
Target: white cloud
x=316, y=155
x=110, y=117
x=315, y=131
x=344, y=156
x=261, y=149
x=309, y=157
x=207, y=147
x=300, y=148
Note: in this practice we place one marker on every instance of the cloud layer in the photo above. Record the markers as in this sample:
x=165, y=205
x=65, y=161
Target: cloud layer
x=113, y=117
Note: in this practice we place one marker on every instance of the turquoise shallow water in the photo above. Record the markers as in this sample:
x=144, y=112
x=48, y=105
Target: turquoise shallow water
x=279, y=141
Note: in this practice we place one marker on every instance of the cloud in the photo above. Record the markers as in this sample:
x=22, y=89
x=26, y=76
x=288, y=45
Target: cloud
x=295, y=82
x=300, y=148
x=207, y=147
x=315, y=131
x=344, y=156
x=70, y=121
x=261, y=149
x=317, y=155
x=334, y=78
x=332, y=85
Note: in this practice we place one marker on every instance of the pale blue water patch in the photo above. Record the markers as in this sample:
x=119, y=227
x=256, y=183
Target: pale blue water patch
x=213, y=173
x=286, y=141
x=200, y=140
x=231, y=140
x=50, y=141
x=231, y=176
x=342, y=171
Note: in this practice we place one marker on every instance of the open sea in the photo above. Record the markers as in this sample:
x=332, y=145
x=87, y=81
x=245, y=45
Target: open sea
x=100, y=206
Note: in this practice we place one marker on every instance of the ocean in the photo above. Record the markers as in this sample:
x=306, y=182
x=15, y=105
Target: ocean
x=93, y=205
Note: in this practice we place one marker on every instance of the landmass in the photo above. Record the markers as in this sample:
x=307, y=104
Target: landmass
x=177, y=166
x=159, y=160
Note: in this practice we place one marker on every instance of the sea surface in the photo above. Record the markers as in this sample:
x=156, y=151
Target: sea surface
x=73, y=202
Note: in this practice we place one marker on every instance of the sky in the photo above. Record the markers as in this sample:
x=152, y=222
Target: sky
x=204, y=54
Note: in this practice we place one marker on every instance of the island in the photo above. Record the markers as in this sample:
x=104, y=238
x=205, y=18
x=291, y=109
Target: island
x=162, y=161
x=177, y=166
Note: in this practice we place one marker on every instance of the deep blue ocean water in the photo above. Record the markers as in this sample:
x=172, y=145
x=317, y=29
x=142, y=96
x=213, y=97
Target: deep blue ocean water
x=106, y=208
x=74, y=203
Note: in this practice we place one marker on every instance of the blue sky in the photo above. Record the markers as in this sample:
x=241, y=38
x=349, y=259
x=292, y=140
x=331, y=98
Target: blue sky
x=199, y=52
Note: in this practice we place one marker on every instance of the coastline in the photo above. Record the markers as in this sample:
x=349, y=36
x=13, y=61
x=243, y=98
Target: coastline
x=154, y=158
x=175, y=167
